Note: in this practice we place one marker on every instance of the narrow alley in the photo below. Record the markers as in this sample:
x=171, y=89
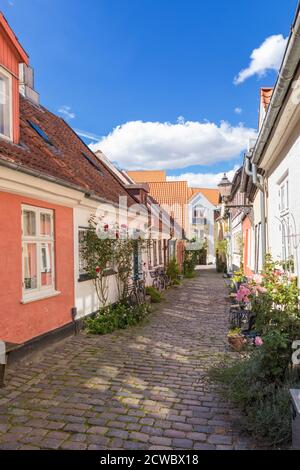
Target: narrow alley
x=143, y=388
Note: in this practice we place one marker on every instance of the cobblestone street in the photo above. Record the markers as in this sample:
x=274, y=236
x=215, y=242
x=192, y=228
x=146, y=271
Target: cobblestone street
x=143, y=388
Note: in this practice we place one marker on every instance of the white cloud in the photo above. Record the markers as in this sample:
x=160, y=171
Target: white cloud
x=238, y=110
x=66, y=112
x=87, y=135
x=267, y=56
x=156, y=145
x=203, y=180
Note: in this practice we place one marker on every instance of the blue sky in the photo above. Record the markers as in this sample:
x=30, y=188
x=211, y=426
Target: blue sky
x=106, y=63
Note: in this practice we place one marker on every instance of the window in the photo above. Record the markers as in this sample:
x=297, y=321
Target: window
x=160, y=260
x=38, y=252
x=284, y=195
x=154, y=253
x=92, y=162
x=40, y=132
x=286, y=252
x=258, y=254
x=284, y=228
x=199, y=213
x=5, y=104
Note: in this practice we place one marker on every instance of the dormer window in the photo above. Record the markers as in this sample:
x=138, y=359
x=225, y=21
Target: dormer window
x=5, y=104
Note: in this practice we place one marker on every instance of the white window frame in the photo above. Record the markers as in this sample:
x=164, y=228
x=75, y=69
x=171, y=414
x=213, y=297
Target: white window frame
x=40, y=292
x=284, y=190
x=10, y=97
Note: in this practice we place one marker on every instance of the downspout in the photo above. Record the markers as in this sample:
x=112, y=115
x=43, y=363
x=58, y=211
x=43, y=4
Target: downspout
x=258, y=181
x=286, y=74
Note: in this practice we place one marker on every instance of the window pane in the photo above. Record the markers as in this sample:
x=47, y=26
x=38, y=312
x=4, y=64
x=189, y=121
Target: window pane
x=30, y=265
x=46, y=265
x=4, y=106
x=29, y=223
x=45, y=225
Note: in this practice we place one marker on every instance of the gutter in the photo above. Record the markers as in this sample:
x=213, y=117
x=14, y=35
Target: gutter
x=37, y=174
x=285, y=77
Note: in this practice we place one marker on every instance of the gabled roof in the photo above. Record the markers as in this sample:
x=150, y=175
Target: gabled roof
x=68, y=159
x=23, y=56
x=147, y=176
x=213, y=195
x=169, y=192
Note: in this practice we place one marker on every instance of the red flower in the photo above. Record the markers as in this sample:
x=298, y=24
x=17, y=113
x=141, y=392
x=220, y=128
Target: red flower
x=105, y=227
x=98, y=270
x=117, y=235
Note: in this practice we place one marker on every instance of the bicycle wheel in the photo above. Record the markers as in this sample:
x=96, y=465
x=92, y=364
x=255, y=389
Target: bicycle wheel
x=141, y=293
x=133, y=298
x=162, y=283
x=156, y=284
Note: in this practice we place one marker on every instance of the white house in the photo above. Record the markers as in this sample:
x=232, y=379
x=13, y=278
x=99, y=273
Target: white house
x=276, y=159
x=202, y=221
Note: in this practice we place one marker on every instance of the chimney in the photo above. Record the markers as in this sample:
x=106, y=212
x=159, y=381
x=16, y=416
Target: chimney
x=26, y=83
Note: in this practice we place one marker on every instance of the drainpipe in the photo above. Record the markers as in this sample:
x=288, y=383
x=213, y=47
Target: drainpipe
x=285, y=77
x=258, y=181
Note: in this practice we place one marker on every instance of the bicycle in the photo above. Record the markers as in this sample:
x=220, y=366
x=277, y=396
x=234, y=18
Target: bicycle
x=160, y=279
x=136, y=292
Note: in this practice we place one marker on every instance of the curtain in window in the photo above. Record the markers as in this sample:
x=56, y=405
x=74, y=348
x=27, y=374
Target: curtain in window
x=4, y=106
x=30, y=266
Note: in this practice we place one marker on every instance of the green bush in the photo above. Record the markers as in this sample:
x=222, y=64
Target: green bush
x=118, y=316
x=259, y=384
x=173, y=270
x=191, y=258
x=155, y=295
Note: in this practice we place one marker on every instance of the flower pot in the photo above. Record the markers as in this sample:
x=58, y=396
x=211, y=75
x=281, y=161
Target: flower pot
x=236, y=342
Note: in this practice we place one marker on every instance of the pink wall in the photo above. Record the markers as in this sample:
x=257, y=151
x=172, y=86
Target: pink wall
x=18, y=322
x=247, y=255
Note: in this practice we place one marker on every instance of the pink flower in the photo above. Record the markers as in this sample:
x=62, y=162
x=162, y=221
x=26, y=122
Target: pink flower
x=123, y=226
x=261, y=289
x=258, y=341
x=242, y=294
x=257, y=278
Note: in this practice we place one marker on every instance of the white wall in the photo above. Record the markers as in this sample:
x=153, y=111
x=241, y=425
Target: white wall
x=86, y=299
x=199, y=199
x=290, y=166
x=236, y=234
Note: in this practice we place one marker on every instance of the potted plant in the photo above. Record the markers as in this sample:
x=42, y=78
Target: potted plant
x=236, y=339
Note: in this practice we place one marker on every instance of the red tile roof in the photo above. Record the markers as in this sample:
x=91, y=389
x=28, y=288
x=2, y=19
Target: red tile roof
x=173, y=194
x=213, y=195
x=63, y=160
x=265, y=96
x=147, y=176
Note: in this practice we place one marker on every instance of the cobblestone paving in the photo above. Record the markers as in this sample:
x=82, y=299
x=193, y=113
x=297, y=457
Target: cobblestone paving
x=143, y=388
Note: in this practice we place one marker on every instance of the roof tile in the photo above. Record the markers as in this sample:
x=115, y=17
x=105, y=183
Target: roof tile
x=63, y=160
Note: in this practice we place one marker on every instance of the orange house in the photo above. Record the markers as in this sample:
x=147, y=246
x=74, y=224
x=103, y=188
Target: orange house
x=36, y=237
x=248, y=247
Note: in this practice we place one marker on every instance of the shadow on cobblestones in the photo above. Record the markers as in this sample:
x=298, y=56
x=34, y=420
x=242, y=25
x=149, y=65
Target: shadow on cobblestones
x=141, y=388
